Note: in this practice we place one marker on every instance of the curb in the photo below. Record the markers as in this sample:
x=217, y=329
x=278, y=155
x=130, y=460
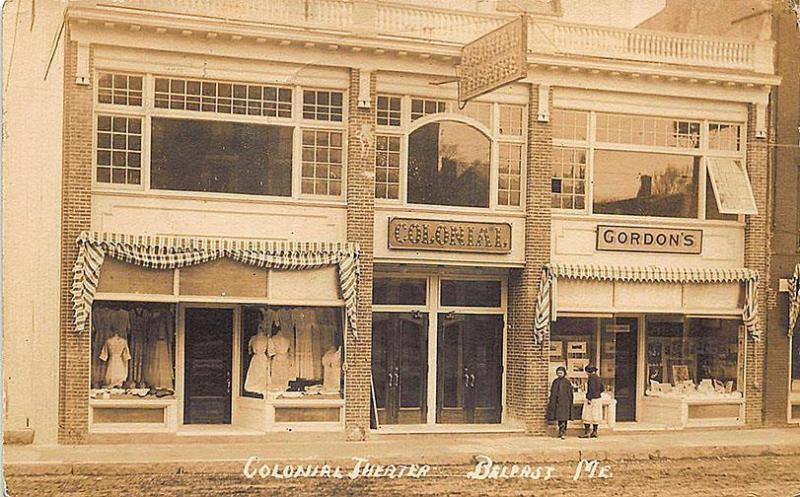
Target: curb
x=61, y=468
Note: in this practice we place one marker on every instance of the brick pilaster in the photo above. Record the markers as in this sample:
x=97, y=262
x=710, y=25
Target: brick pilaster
x=73, y=415
x=360, y=228
x=757, y=256
x=528, y=363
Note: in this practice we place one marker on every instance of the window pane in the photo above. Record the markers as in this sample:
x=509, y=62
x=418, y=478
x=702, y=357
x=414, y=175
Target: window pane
x=712, y=211
x=133, y=350
x=698, y=358
x=301, y=349
x=448, y=164
x=731, y=185
x=400, y=291
x=570, y=124
x=214, y=156
x=645, y=184
x=460, y=293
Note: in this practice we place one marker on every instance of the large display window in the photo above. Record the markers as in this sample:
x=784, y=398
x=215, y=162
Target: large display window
x=133, y=350
x=291, y=352
x=693, y=357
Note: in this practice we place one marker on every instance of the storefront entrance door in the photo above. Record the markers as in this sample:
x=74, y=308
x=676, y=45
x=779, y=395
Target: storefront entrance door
x=400, y=367
x=627, y=333
x=207, y=378
x=469, y=368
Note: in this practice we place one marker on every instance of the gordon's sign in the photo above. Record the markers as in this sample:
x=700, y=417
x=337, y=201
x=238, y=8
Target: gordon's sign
x=641, y=239
x=451, y=236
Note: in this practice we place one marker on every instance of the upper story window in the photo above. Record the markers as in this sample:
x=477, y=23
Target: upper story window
x=204, y=136
x=470, y=157
x=647, y=166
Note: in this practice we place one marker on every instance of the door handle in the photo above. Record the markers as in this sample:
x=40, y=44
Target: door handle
x=472, y=381
x=228, y=378
x=466, y=380
x=396, y=380
x=391, y=377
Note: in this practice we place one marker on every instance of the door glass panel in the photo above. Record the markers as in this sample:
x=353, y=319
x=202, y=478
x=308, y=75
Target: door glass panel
x=625, y=332
x=413, y=363
x=382, y=326
x=399, y=291
x=451, y=366
x=487, y=343
x=464, y=293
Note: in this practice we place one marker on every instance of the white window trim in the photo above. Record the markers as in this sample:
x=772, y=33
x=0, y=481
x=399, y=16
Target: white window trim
x=148, y=110
x=704, y=152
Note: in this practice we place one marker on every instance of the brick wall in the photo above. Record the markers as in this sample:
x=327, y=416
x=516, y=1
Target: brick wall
x=73, y=415
x=527, y=363
x=360, y=228
x=756, y=256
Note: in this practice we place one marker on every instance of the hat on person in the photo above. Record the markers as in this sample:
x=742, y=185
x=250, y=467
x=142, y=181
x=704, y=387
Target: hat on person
x=561, y=368
x=590, y=369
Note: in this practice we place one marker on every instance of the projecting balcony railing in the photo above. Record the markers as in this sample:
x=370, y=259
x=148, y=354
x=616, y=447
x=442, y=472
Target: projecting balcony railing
x=410, y=22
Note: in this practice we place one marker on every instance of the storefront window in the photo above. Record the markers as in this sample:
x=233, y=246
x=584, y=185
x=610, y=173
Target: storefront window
x=217, y=156
x=291, y=352
x=448, y=164
x=695, y=356
x=645, y=184
x=466, y=293
x=133, y=350
x=573, y=344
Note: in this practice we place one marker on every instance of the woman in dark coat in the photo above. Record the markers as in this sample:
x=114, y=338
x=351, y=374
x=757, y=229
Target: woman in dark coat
x=560, y=406
x=593, y=407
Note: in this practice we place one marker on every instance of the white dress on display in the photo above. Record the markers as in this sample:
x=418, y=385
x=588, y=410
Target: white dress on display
x=304, y=348
x=116, y=354
x=281, y=367
x=332, y=370
x=257, y=380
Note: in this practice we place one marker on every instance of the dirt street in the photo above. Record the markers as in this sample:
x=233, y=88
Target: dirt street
x=718, y=477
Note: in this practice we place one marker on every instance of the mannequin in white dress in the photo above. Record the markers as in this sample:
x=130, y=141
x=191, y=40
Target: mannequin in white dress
x=257, y=379
x=332, y=370
x=281, y=366
x=116, y=354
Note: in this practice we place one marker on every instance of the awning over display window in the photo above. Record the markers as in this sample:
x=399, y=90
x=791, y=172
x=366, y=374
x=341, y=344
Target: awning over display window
x=162, y=252
x=794, y=299
x=545, y=303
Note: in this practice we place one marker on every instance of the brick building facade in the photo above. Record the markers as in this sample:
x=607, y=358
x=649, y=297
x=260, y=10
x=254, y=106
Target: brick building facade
x=626, y=192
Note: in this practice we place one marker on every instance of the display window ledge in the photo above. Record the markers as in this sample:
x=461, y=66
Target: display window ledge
x=143, y=402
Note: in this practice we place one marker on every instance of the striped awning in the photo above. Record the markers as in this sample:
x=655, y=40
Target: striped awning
x=165, y=252
x=794, y=299
x=545, y=303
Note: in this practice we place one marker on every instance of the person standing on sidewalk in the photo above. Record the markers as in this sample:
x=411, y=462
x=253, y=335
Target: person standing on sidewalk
x=592, y=413
x=560, y=406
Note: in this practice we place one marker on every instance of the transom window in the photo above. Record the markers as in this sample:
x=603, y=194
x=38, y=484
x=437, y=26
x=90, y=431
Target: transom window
x=421, y=107
x=224, y=98
x=387, y=166
x=647, y=166
x=208, y=136
x=388, y=111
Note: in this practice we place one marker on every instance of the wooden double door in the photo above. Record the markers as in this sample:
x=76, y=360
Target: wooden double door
x=469, y=354
x=207, y=363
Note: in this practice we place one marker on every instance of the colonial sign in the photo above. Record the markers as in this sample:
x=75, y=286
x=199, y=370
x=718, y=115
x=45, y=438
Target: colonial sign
x=450, y=236
x=641, y=239
x=493, y=60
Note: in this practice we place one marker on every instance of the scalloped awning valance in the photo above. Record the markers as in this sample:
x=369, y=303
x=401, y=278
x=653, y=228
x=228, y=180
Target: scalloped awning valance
x=167, y=252
x=545, y=303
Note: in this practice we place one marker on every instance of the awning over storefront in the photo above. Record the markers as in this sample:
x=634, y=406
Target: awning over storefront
x=794, y=299
x=162, y=252
x=545, y=304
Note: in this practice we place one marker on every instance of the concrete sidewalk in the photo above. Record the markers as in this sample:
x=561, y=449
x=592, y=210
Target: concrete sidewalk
x=432, y=449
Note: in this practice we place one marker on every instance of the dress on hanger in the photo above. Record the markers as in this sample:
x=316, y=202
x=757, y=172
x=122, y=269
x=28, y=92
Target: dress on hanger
x=281, y=367
x=304, y=348
x=140, y=320
x=158, y=371
x=116, y=354
x=100, y=333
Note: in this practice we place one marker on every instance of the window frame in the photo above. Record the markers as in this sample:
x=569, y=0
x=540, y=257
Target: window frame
x=452, y=113
x=148, y=110
x=703, y=152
